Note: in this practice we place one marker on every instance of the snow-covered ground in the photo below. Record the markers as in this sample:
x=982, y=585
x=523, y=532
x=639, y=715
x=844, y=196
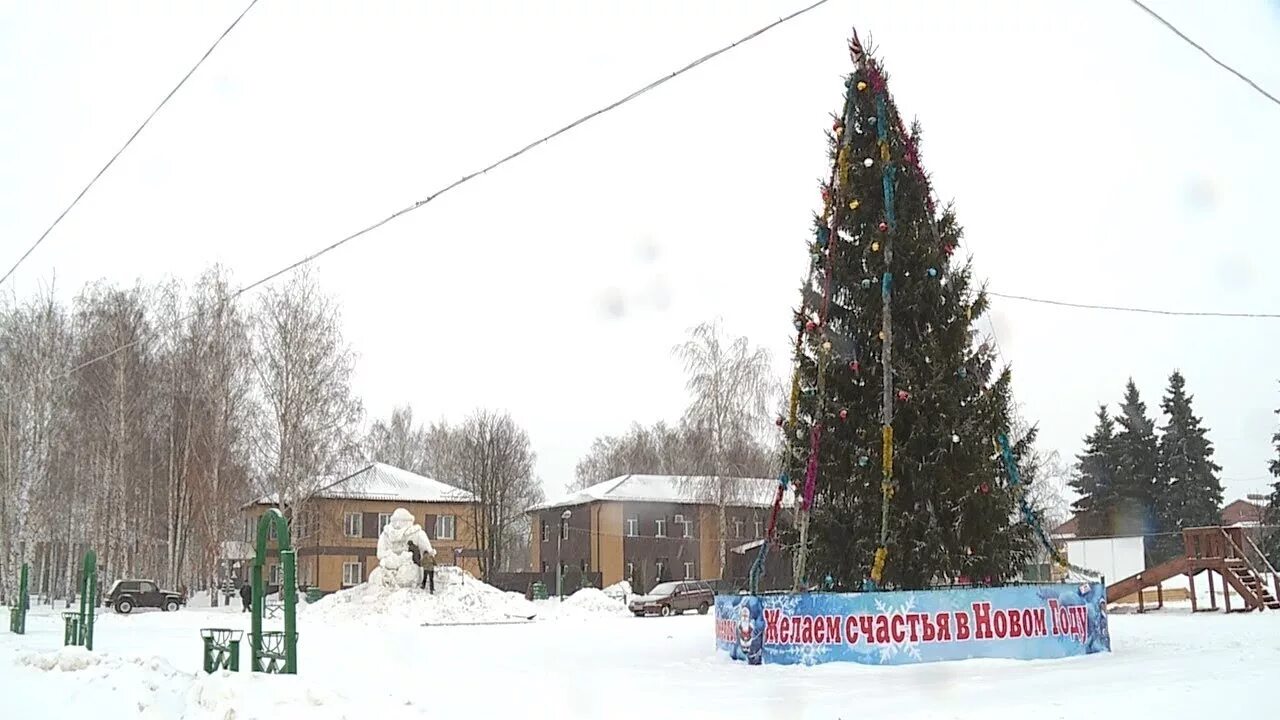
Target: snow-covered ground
x=586, y=659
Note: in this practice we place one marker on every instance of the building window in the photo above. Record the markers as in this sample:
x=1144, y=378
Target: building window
x=685, y=525
x=688, y=571
x=662, y=528
x=564, y=529
x=631, y=572
x=759, y=528
x=660, y=565
x=633, y=526
x=352, y=524
x=248, y=530
x=383, y=519
x=737, y=527
x=308, y=523
x=352, y=574
x=583, y=566
x=445, y=527
x=544, y=566
x=545, y=534
x=275, y=576
x=271, y=531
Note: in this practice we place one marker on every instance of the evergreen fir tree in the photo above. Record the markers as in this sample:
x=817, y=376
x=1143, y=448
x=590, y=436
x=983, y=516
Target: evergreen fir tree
x=879, y=240
x=1139, y=507
x=1189, y=472
x=1272, y=517
x=1095, y=478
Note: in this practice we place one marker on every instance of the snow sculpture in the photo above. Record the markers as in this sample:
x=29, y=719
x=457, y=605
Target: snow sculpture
x=396, y=568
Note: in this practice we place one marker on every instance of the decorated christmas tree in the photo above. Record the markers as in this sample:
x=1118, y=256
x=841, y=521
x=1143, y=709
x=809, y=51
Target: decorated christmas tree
x=897, y=410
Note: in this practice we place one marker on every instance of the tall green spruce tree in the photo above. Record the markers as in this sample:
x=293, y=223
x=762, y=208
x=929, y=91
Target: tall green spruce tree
x=1194, y=496
x=878, y=242
x=1139, y=488
x=1095, y=478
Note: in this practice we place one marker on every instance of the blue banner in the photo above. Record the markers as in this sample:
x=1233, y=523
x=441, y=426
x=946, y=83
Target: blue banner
x=899, y=628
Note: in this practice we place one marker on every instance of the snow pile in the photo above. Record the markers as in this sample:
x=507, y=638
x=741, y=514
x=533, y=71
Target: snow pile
x=68, y=659
x=459, y=598
x=593, y=601
x=619, y=591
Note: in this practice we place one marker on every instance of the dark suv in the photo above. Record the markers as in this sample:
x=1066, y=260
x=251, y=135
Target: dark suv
x=125, y=595
x=673, y=598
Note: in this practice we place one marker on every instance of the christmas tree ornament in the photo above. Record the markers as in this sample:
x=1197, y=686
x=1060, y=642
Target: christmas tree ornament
x=875, y=247
x=779, y=421
x=866, y=283
x=933, y=272
x=881, y=335
x=827, y=346
x=963, y=373
x=868, y=162
x=854, y=203
x=985, y=488
x=810, y=326
x=871, y=120
x=884, y=226
x=854, y=366
x=861, y=85
x=955, y=438
x=844, y=414
x=903, y=395
x=864, y=461
x=837, y=127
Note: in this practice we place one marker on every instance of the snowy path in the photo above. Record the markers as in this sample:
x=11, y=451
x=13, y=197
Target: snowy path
x=618, y=668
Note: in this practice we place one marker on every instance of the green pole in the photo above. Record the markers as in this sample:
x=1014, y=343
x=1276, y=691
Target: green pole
x=288, y=557
x=88, y=588
x=255, y=619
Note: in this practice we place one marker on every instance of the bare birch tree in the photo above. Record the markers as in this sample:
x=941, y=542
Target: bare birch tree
x=490, y=456
x=306, y=431
x=730, y=385
x=398, y=441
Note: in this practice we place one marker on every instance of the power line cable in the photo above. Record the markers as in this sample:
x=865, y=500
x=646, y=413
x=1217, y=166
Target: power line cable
x=1206, y=53
x=457, y=183
x=1148, y=311
x=128, y=142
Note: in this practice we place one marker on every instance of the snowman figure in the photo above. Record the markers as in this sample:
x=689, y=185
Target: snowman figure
x=396, y=568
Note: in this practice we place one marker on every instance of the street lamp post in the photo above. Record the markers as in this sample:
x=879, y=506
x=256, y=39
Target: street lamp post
x=564, y=518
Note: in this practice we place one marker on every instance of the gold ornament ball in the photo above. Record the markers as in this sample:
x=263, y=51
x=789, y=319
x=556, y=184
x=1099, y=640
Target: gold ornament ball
x=826, y=345
x=862, y=85
x=881, y=334
x=875, y=247
x=854, y=203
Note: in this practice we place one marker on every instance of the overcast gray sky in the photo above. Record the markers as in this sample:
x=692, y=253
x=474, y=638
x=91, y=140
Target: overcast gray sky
x=1092, y=156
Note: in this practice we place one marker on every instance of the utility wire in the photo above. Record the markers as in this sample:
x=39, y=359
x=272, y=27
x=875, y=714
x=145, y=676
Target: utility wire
x=1206, y=53
x=457, y=183
x=128, y=142
x=1149, y=311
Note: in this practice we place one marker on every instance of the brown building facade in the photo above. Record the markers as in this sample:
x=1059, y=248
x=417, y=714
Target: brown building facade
x=336, y=535
x=646, y=529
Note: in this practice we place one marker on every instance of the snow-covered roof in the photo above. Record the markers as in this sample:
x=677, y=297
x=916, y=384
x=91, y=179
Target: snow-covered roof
x=380, y=481
x=690, y=489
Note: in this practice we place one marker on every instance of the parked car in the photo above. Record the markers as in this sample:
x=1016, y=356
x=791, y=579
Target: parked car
x=125, y=595
x=674, y=598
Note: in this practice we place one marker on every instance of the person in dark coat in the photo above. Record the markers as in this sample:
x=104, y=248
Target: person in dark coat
x=429, y=571
x=246, y=596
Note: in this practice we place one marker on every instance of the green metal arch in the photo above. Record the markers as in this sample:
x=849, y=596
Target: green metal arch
x=288, y=588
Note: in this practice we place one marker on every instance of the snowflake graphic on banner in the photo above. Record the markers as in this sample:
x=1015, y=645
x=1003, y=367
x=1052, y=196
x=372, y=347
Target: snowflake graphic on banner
x=906, y=647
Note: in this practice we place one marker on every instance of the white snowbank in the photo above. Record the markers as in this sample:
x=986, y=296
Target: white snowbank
x=593, y=601
x=67, y=659
x=459, y=598
x=619, y=591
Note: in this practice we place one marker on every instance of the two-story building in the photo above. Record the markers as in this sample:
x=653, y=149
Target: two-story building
x=336, y=534
x=648, y=528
